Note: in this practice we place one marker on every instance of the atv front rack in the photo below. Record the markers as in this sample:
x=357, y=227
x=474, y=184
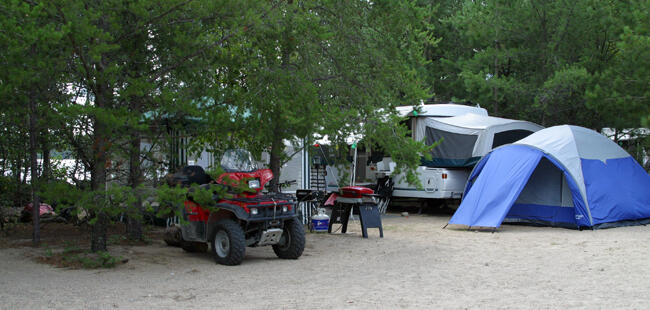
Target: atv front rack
x=277, y=198
x=267, y=207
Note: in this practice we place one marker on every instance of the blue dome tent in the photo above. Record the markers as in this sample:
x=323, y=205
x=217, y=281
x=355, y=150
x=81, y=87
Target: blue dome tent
x=561, y=176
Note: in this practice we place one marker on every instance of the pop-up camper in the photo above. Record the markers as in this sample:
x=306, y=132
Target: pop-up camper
x=466, y=134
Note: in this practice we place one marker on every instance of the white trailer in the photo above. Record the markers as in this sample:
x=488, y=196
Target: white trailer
x=467, y=133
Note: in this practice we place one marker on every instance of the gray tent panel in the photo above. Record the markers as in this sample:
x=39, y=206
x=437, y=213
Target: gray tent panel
x=546, y=186
x=453, y=146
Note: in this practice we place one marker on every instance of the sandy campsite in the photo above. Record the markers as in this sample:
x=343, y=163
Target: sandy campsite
x=416, y=265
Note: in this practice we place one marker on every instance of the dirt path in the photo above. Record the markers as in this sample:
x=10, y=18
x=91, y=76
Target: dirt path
x=416, y=265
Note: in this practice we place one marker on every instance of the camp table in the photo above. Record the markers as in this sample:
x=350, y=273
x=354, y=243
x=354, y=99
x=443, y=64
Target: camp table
x=355, y=198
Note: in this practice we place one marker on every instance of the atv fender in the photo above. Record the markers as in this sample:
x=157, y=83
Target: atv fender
x=225, y=211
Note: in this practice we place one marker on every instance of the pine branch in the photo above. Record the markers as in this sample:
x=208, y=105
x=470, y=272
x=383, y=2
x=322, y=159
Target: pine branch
x=223, y=39
x=151, y=21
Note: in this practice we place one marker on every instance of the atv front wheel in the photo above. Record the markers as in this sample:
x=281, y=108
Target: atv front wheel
x=292, y=242
x=229, y=243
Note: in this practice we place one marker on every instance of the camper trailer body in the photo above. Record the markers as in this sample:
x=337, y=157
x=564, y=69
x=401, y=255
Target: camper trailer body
x=462, y=139
x=436, y=182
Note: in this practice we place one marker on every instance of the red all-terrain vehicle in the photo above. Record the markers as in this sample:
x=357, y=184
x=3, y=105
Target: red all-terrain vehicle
x=246, y=219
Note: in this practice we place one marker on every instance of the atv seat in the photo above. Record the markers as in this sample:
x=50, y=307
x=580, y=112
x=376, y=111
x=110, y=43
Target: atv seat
x=190, y=175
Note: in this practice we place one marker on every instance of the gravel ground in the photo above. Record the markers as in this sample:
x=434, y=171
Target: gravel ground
x=416, y=265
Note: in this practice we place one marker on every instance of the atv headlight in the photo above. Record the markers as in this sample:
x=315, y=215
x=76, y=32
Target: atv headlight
x=254, y=211
x=285, y=209
x=253, y=184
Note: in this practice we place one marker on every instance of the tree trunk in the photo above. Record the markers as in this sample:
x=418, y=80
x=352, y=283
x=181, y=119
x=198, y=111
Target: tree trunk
x=134, y=226
x=33, y=137
x=46, y=170
x=277, y=145
x=277, y=148
x=98, y=233
x=98, y=172
x=17, y=170
x=137, y=65
x=134, y=218
x=98, y=183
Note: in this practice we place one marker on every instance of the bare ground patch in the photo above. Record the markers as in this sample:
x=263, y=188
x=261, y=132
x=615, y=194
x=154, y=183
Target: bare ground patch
x=417, y=265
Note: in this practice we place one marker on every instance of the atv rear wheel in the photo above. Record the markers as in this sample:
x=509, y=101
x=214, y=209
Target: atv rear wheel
x=173, y=236
x=292, y=242
x=229, y=243
x=194, y=247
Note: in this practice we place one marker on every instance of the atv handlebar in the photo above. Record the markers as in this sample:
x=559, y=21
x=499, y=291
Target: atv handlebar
x=287, y=183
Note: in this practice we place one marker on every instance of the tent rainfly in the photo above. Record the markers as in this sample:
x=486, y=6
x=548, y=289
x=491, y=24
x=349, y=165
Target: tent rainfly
x=561, y=176
x=468, y=137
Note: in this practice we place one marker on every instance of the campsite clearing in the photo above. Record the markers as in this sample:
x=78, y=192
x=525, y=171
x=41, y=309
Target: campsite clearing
x=416, y=265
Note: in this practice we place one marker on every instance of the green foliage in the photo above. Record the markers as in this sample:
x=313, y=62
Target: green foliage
x=70, y=248
x=114, y=201
x=171, y=199
x=623, y=89
x=556, y=62
x=327, y=67
x=406, y=153
x=102, y=260
x=61, y=194
x=33, y=59
x=116, y=239
x=10, y=190
x=74, y=257
x=534, y=60
x=88, y=260
x=107, y=75
x=562, y=98
x=204, y=195
x=215, y=172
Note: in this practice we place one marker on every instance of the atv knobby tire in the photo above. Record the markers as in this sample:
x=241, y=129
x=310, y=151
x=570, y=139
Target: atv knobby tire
x=173, y=236
x=292, y=242
x=194, y=247
x=229, y=243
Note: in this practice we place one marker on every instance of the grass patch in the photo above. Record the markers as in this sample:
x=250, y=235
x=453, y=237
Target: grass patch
x=121, y=239
x=75, y=258
x=116, y=239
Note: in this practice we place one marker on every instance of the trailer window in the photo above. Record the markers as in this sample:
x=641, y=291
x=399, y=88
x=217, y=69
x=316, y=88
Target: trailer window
x=510, y=136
